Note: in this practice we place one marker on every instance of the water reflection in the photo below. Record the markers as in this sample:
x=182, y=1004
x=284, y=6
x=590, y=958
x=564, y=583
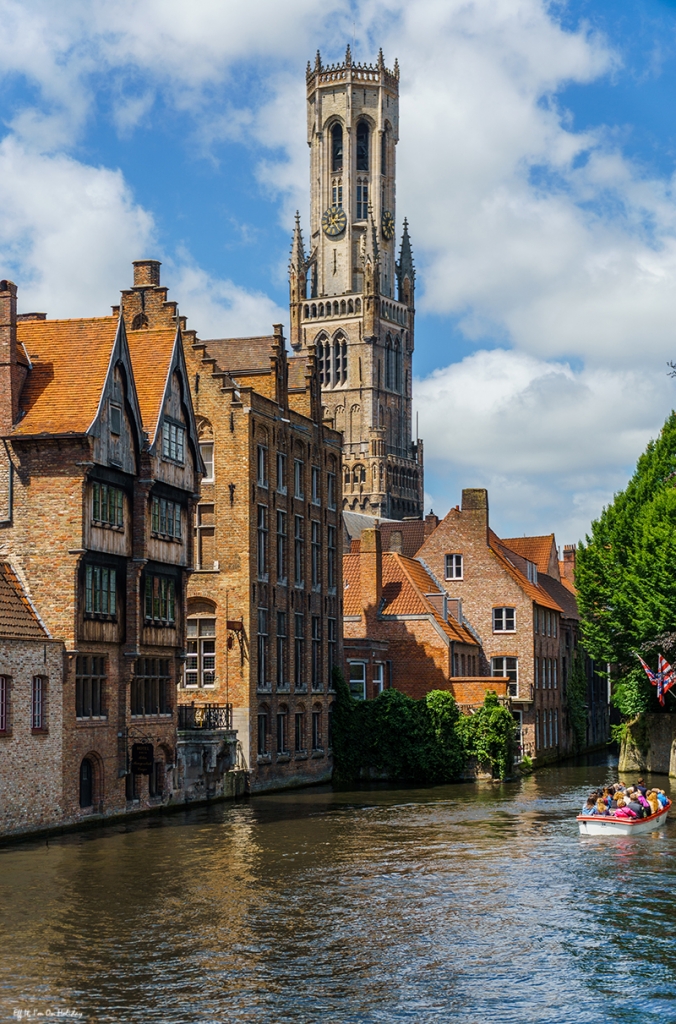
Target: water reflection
x=459, y=903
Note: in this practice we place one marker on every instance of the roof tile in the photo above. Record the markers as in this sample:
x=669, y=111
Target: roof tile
x=18, y=619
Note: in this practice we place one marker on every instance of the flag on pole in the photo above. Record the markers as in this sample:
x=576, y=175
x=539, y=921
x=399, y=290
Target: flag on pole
x=648, y=671
x=667, y=674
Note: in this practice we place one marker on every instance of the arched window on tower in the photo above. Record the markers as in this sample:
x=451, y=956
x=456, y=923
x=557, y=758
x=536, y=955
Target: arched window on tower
x=362, y=146
x=397, y=365
x=362, y=198
x=383, y=150
x=337, y=192
x=337, y=148
x=388, y=362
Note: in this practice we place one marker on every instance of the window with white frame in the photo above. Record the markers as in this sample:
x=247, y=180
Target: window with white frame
x=453, y=567
x=207, y=453
x=262, y=465
x=262, y=677
x=555, y=673
x=281, y=473
x=532, y=572
x=331, y=490
x=298, y=490
x=316, y=489
x=200, y=663
x=358, y=679
x=509, y=667
x=504, y=620
x=378, y=677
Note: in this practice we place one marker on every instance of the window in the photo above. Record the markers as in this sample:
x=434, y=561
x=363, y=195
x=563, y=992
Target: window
x=205, y=537
x=4, y=704
x=507, y=667
x=200, y=663
x=262, y=734
x=166, y=518
x=38, y=696
x=262, y=542
x=150, y=687
x=549, y=623
x=536, y=619
x=336, y=148
x=316, y=490
x=544, y=673
x=86, y=783
x=358, y=679
x=281, y=732
x=207, y=453
x=317, y=682
x=262, y=648
x=333, y=648
x=378, y=678
x=383, y=152
x=115, y=419
x=107, y=505
x=453, y=567
x=262, y=466
x=90, y=678
x=298, y=479
x=160, y=600
x=532, y=572
x=537, y=730
x=362, y=146
x=554, y=618
x=555, y=680
x=551, y=728
x=300, y=731
x=331, y=558
x=281, y=649
x=504, y=620
x=281, y=547
x=316, y=554
x=337, y=195
x=537, y=674
x=299, y=552
x=317, y=730
x=331, y=490
x=281, y=473
x=556, y=727
x=173, y=441
x=100, y=590
x=362, y=200
x=299, y=651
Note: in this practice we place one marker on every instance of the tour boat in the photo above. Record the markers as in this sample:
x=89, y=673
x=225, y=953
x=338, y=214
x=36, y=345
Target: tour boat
x=598, y=825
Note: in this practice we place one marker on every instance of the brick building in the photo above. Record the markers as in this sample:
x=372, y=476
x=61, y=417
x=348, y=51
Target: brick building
x=516, y=619
x=31, y=713
x=264, y=604
x=100, y=473
x=401, y=631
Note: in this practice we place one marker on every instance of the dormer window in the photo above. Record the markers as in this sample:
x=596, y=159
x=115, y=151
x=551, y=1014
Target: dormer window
x=532, y=572
x=173, y=441
x=115, y=419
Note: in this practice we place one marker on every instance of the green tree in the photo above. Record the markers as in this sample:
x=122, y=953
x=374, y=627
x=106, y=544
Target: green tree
x=490, y=736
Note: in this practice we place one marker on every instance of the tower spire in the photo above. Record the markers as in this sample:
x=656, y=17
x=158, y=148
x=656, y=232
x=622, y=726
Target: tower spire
x=405, y=268
x=348, y=56
x=298, y=262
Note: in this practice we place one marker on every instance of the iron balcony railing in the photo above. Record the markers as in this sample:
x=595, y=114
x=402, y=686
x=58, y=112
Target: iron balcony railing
x=205, y=716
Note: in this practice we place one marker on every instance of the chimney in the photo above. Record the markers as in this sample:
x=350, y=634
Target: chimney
x=10, y=383
x=371, y=571
x=146, y=273
x=569, y=552
x=475, y=502
x=431, y=523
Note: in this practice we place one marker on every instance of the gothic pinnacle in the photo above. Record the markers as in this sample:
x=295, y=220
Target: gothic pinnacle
x=381, y=59
x=318, y=62
x=348, y=56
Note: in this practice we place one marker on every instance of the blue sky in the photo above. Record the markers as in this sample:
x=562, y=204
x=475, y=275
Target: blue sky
x=536, y=167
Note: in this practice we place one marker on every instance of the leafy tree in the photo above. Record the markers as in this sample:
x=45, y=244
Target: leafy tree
x=490, y=736
x=625, y=572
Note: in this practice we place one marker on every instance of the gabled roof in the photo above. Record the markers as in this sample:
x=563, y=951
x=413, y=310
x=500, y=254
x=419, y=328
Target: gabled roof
x=151, y=355
x=532, y=590
x=412, y=535
x=18, y=619
x=70, y=360
x=238, y=355
x=535, y=549
x=297, y=371
x=562, y=594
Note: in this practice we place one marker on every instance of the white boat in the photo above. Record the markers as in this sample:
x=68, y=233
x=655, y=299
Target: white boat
x=598, y=825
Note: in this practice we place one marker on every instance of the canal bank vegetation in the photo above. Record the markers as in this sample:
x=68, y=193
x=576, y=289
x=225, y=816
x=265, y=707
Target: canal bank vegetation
x=626, y=582
x=426, y=741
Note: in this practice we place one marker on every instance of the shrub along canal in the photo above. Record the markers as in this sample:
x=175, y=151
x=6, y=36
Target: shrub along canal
x=463, y=903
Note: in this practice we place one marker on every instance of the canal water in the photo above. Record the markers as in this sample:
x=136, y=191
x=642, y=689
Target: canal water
x=469, y=904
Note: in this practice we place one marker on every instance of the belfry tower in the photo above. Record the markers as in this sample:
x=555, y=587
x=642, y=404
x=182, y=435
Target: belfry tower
x=349, y=297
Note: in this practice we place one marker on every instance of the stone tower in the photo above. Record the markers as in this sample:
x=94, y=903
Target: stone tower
x=349, y=297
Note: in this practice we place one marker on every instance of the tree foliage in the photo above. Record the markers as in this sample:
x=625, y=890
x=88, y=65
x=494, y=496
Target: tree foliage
x=576, y=701
x=490, y=736
x=625, y=572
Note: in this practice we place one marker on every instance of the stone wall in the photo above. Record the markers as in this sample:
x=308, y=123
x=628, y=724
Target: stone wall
x=650, y=745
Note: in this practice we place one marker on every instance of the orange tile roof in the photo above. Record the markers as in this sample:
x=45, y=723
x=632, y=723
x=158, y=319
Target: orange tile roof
x=567, y=583
x=18, y=619
x=235, y=355
x=151, y=352
x=70, y=360
x=351, y=585
x=533, y=590
x=535, y=549
x=297, y=371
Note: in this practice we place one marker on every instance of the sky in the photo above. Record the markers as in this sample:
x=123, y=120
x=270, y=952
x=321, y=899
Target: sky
x=535, y=167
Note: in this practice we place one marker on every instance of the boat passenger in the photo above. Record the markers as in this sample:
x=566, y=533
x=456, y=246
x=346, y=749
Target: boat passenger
x=602, y=808
x=653, y=801
x=623, y=811
x=662, y=798
x=589, y=806
x=643, y=802
x=641, y=787
x=631, y=802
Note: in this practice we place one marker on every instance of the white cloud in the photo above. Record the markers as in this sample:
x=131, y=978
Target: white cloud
x=221, y=309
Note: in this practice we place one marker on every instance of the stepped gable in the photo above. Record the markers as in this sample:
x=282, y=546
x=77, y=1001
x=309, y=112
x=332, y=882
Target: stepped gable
x=18, y=619
x=70, y=360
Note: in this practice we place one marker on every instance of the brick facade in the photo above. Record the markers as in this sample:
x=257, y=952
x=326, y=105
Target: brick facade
x=265, y=600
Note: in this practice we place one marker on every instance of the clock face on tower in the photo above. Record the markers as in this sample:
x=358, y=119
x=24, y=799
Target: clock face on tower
x=334, y=221
x=388, y=226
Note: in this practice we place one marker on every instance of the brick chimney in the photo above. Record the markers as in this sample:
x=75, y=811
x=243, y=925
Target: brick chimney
x=475, y=507
x=371, y=571
x=11, y=377
x=569, y=552
x=146, y=273
x=431, y=523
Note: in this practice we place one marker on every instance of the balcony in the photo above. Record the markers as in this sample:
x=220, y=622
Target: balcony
x=206, y=716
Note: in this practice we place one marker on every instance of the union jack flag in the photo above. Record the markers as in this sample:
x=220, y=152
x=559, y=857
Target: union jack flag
x=666, y=676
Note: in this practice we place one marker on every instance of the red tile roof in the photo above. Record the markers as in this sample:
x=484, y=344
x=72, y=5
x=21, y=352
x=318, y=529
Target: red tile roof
x=70, y=361
x=533, y=590
x=535, y=549
x=18, y=619
x=151, y=352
